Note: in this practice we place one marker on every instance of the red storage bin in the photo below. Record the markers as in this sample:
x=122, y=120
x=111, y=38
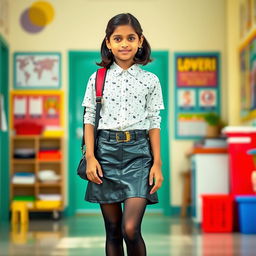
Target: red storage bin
x=28, y=128
x=217, y=213
x=240, y=140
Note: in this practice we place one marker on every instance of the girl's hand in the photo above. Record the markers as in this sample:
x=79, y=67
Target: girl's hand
x=93, y=170
x=155, y=174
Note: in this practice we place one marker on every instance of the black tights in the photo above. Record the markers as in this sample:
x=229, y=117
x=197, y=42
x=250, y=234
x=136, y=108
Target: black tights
x=127, y=225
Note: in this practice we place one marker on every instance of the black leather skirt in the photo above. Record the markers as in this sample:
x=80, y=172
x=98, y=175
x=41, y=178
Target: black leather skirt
x=126, y=159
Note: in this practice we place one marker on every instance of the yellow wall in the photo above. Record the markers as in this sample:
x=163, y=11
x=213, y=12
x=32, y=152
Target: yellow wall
x=174, y=25
x=4, y=20
x=233, y=90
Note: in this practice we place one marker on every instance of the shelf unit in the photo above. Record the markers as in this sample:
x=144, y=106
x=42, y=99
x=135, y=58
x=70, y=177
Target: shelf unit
x=34, y=165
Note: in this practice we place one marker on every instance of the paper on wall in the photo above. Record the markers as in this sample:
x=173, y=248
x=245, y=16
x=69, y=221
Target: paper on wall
x=20, y=106
x=36, y=106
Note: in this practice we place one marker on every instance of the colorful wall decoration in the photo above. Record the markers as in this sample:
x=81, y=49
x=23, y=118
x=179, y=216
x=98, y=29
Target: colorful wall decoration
x=197, y=88
x=44, y=108
x=247, y=55
x=37, y=16
x=247, y=59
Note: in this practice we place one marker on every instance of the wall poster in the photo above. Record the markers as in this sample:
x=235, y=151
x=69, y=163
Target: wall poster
x=37, y=70
x=197, y=86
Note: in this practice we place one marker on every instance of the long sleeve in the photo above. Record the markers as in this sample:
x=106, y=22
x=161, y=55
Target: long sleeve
x=155, y=104
x=89, y=101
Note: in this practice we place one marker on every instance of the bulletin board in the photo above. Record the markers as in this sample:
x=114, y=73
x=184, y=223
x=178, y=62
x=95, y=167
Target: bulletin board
x=39, y=107
x=247, y=59
x=197, y=86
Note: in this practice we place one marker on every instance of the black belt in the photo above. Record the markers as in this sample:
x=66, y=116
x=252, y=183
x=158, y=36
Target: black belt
x=123, y=136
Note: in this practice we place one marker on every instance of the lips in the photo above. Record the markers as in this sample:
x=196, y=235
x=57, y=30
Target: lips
x=124, y=51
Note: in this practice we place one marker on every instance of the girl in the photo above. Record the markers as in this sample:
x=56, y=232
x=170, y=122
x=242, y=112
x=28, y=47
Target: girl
x=126, y=165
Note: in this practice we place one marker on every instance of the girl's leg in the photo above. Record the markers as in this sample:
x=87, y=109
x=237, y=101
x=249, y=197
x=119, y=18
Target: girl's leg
x=112, y=214
x=134, y=209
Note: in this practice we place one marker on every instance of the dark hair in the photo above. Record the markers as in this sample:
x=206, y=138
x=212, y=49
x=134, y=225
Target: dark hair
x=141, y=57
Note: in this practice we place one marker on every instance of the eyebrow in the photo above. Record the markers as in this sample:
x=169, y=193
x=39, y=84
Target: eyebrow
x=122, y=35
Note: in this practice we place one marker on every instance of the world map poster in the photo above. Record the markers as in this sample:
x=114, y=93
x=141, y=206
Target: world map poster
x=37, y=70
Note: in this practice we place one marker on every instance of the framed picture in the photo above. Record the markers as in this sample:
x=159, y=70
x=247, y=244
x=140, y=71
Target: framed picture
x=37, y=70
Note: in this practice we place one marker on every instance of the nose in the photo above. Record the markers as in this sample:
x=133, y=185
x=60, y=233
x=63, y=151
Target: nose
x=124, y=43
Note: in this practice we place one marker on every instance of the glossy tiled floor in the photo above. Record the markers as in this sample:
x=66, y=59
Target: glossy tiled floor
x=84, y=236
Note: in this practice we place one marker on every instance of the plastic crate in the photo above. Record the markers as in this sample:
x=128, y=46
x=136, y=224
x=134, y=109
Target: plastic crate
x=247, y=214
x=217, y=213
x=28, y=128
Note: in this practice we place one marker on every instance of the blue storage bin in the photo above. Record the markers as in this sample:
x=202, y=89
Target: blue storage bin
x=247, y=214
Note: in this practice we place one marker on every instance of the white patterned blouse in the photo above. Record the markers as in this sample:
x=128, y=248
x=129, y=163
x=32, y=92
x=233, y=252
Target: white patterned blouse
x=132, y=99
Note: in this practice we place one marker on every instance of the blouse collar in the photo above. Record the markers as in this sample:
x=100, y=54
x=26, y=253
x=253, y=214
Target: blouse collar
x=117, y=70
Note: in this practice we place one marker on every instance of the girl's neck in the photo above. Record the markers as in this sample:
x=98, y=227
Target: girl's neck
x=124, y=64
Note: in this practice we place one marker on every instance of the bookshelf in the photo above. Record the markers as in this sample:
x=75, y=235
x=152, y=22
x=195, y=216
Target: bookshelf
x=41, y=154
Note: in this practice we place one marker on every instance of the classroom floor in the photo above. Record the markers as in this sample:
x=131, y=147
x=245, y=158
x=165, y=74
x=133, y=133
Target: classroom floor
x=83, y=235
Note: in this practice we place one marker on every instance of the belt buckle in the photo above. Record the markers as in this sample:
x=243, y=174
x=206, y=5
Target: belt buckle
x=127, y=137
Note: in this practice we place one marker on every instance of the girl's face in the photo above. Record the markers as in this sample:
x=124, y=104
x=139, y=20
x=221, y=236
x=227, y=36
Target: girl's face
x=124, y=44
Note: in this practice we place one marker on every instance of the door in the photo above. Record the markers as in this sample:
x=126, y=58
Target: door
x=159, y=66
x=81, y=66
x=4, y=149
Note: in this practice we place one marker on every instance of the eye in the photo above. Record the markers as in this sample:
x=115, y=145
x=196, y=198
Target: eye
x=117, y=39
x=131, y=38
